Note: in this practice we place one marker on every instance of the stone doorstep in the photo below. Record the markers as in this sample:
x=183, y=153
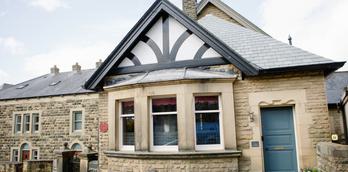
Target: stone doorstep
x=176, y=155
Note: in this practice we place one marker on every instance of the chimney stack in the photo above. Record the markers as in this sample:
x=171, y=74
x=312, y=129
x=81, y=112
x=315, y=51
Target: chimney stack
x=98, y=63
x=190, y=8
x=76, y=67
x=54, y=70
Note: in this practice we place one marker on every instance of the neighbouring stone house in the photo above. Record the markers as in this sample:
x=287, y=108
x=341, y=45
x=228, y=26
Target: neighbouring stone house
x=38, y=116
x=335, y=85
x=344, y=104
x=199, y=90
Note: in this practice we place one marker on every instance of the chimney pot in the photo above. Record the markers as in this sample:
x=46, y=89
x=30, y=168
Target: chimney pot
x=55, y=70
x=76, y=67
x=98, y=63
x=190, y=8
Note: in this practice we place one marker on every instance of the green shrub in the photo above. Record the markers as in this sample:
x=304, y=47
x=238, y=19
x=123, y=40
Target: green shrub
x=310, y=170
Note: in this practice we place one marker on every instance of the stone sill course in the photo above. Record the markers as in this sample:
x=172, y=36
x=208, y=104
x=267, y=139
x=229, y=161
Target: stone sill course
x=174, y=155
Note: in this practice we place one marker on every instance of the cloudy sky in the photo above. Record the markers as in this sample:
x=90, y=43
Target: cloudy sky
x=37, y=34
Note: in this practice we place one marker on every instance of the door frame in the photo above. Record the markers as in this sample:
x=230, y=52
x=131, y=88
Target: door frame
x=295, y=134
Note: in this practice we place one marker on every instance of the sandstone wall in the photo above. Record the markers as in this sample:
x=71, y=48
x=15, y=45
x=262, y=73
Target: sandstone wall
x=55, y=123
x=315, y=113
x=185, y=165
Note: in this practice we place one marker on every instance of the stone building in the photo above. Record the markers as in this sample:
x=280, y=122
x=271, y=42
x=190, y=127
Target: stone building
x=38, y=116
x=335, y=85
x=199, y=90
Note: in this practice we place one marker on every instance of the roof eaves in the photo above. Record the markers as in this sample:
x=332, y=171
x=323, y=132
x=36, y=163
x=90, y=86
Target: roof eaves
x=45, y=96
x=328, y=68
x=232, y=13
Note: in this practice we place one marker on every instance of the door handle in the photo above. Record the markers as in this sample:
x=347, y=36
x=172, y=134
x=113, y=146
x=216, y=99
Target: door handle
x=279, y=148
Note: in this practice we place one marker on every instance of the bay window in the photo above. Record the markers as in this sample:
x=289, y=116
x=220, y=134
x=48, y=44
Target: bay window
x=208, y=123
x=127, y=125
x=164, y=129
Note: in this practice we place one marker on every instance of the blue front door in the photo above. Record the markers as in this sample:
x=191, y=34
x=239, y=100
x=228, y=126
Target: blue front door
x=279, y=146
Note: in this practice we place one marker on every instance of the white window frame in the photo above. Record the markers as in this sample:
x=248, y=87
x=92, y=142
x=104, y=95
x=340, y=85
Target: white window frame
x=24, y=123
x=32, y=153
x=212, y=146
x=12, y=155
x=16, y=115
x=33, y=123
x=22, y=114
x=173, y=148
x=72, y=121
x=125, y=147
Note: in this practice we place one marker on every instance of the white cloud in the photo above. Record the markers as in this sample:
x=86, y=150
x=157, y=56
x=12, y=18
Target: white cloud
x=64, y=57
x=316, y=25
x=11, y=44
x=49, y=5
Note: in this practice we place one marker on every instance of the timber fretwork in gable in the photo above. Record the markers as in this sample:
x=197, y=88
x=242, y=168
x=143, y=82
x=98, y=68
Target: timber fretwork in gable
x=168, y=42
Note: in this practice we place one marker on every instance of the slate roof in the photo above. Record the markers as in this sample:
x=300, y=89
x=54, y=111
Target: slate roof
x=67, y=83
x=335, y=84
x=5, y=85
x=230, y=12
x=169, y=75
x=262, y=51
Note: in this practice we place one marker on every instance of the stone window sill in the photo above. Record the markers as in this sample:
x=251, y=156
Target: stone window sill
x=174, y=155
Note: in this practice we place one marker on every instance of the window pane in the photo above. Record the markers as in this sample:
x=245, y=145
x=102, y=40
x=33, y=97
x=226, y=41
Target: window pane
x=78, y=116
x=35, y=122
x=18, y=118
x=15, y=155
x=18, y=123
x=165, y=131
x=27, y=118
x=207, y=128
x=164, y=105
x=76, y=146
x=35, y=118
x=25, y=146
x=128, y=130
x=78, y=126
x=207, y=103
x=26, y=122
x=128, y=107
x=35, y=154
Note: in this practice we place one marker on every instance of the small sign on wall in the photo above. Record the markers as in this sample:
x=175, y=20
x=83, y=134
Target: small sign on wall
x=103, y=127
x=254, y=144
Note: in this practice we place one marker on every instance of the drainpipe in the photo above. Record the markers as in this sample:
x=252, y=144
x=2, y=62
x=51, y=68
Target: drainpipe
x=342, y=105
x=345, y=125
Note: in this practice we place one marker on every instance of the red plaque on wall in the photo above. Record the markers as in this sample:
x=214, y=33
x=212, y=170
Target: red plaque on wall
x=104, y=127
